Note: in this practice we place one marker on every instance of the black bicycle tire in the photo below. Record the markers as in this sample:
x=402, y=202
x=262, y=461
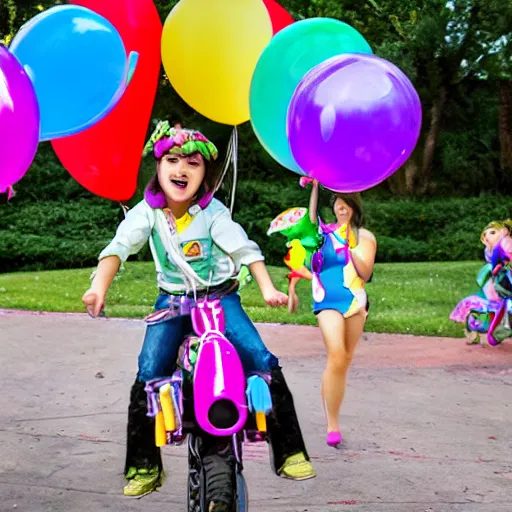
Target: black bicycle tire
x=196, y=482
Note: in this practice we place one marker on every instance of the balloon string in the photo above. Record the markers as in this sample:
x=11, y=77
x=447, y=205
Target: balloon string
x=234, y=161
x=10, y=193
x=231, y=160
x=124, y=208
x=227, y=161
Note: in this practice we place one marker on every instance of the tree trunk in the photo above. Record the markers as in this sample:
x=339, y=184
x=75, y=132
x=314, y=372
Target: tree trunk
x=403, y=182
x=505, y=124
x=422, y=184
x=412, y=172
x=396, y=183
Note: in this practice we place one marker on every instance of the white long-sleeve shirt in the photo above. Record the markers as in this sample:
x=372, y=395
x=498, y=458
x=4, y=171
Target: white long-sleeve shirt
x=212, y=244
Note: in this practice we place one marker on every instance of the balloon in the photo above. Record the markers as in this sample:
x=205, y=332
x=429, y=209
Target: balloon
x=77, y=62
x=290, y=55
x=209, y=51
x=19, y=121
x=353, y=121
x=105, y=159
x=279, y=16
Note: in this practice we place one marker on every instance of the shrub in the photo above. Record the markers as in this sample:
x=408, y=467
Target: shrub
x=70, y=233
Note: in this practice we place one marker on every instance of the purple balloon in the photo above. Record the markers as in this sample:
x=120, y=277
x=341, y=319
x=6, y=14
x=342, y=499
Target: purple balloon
x=19, y=120
x=353, y=121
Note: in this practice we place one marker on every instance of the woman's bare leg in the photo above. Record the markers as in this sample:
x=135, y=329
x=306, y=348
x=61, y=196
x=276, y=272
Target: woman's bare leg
x=340, y=337
x=354, y=327
x=332, y=325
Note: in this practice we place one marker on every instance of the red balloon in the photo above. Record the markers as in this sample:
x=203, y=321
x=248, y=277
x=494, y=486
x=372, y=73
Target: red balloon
x=105, y=158
x=279, y=16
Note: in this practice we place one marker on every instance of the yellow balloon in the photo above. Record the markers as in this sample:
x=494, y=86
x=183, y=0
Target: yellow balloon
x=210, y=49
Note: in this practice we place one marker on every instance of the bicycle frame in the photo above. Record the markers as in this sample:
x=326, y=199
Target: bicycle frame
x=222, y=396
x=220, y=405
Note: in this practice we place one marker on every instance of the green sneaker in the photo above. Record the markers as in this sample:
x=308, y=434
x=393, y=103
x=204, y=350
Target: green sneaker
x=142, y=482
x=296, y=467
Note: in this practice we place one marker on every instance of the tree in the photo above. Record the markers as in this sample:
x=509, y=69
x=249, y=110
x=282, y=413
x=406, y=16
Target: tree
x=436, y=42
x=505, y=124
x=14, y=13
x=497, y=67
x=456, y=52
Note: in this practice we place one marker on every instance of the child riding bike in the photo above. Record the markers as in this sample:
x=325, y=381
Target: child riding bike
x=198, y=250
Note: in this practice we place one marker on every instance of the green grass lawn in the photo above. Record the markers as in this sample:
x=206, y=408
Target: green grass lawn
x=412, y=298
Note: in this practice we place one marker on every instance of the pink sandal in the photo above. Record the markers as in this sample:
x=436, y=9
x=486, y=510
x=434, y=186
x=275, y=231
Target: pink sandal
x=334, y=439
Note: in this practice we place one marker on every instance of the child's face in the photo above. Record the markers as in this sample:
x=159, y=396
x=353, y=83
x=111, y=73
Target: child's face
x=342, y=211
x=181, y=176
x=492, y=236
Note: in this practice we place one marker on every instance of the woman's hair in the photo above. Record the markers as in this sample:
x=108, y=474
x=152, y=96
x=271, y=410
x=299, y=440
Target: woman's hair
x=211, y=175
x=354, y=202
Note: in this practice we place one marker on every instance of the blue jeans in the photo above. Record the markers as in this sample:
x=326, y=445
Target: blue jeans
x=162, y=341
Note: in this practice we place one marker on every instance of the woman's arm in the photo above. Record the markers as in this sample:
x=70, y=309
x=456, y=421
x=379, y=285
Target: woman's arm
x=313, y=202
x=363, y=255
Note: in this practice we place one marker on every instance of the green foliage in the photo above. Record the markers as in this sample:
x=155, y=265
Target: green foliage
x=426, y=38
x=48, y=180
x=53, y=223
x=54, y=234
x=406, y=230
x=436, y=230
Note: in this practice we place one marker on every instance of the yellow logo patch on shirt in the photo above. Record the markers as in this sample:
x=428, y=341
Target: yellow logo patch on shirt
x=193, y=249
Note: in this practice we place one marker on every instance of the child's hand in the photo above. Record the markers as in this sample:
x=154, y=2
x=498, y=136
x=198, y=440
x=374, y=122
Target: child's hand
x=275, y=298
x=94, y=302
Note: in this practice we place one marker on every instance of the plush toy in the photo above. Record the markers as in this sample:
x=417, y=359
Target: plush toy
x=303, y=240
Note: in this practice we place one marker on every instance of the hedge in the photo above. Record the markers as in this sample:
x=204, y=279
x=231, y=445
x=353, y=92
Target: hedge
x=70, y=234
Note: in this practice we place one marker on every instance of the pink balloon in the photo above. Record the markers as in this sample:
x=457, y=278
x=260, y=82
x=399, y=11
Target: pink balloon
x=19, y=121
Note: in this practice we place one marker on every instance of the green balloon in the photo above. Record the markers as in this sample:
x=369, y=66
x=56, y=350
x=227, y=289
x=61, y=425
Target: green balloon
x=293, y=52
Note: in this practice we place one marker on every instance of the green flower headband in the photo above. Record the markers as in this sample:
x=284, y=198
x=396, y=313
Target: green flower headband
x=172, y=140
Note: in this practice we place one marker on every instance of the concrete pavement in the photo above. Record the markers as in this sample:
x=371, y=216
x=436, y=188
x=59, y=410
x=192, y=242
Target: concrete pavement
x=427, y=422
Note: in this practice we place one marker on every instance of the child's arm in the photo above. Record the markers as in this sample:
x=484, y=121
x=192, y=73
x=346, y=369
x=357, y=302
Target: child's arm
x=94, y=297
x=506, y=243
x=130, y=237
x=229, y=236
x=271, y=295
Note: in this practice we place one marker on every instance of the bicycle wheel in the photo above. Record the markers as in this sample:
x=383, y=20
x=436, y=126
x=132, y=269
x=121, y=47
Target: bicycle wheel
x=196, y=495
x=240, y=491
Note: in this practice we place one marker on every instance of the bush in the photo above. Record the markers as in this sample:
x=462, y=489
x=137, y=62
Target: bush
x=55, y=234
x=406, y=229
